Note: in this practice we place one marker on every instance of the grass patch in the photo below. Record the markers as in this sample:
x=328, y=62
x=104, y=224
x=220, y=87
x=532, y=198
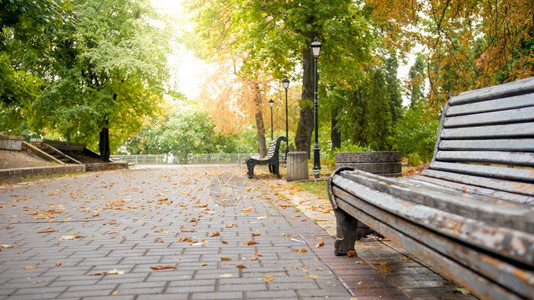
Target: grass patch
x=316, y=187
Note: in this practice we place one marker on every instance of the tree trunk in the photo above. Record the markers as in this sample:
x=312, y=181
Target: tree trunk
x=259, y=121
x=335, y=135
x=104, y=145
x=306, y=122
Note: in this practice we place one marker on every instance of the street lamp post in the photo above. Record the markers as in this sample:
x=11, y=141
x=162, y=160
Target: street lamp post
x=316, y=49
x=271, y=102
x=285, y=82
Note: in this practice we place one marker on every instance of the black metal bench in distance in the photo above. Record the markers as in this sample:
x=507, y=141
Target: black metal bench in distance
x=272, y=159
x=470, y=213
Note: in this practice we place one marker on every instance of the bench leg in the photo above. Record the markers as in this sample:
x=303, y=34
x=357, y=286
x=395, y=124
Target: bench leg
x=347, y=234
x=250, y=172
x=276, y=170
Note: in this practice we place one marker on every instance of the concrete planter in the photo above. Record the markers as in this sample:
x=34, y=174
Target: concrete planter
x=297, y=165
x=385, y=163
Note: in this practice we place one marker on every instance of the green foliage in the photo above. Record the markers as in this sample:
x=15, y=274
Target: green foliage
x=187, y=130
x=109, y=72
x=416, y=132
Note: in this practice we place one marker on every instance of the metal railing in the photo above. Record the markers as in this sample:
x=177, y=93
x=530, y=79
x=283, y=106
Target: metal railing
x=157, y=159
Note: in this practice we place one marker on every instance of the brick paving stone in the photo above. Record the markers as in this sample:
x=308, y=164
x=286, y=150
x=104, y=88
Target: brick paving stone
x=184, y=216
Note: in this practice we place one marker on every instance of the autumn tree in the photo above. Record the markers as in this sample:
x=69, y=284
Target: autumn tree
x=109, y=73
x=470, y=44
x=274, y=36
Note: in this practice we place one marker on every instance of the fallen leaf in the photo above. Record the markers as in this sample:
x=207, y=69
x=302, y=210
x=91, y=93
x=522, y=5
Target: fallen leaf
x=29, y=267
x=47, y=230
x=115, y=272
x=163, y=267
x=71, y=237
x=203, y=264
x=215, y=234
x=303, y=250
x=224, y=242
x=406, y=258
x=462, y=290
x=115, y=293
x=311, y=276
x=159, y=240
x=359, y=262
x=319, y=244
x=360, y=282
x=99, y=273
x=58, y=264
x=5, y=246
x=258, y=254
x=226, y=275
x=36, y=282
x=268, y=278
x=226, y=258
x=229, y=225
x=241, y=266
x=250, y=243
x=253, y=258
x=351, y=253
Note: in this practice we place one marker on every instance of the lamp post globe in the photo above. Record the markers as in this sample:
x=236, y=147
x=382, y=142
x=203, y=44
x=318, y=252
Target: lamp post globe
x=316, y=50
x=285, y=82
x=271, y=103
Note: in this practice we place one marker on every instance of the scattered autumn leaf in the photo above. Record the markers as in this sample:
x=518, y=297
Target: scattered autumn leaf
x=224, y=242
x=360, y=282
x=255, y=233
x=268, y=278
x=250, y=243
x=58, y=264
x=311, y=276
x=99, y=273
x=115, y=272
x=50, y=229
x=29, y=267
x=241, y=266
x=351, y=253
x=258, y=254
x=319, y=244
x=203, y=264
x=115, y=293
x=215, y=234
x=229, y=225
x=253, y=258
x=5, y=246
x=406, y=258
x=167, y=267
x=303, y=250
x=226, y=275
x=159, y=240
x=71, y=237
x=225, y=258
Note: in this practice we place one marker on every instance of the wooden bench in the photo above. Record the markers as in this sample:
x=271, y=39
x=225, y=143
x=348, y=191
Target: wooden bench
x=470, y=213
x=272, y=159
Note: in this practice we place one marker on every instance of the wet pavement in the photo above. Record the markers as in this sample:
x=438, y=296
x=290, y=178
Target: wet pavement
x=189, y=232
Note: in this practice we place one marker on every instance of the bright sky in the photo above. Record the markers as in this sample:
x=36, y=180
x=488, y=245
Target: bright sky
x=186, y=69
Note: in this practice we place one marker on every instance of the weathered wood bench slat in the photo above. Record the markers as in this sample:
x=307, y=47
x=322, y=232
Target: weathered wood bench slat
x=510, y=89
x=492, y=157
x=508, y=214
x=494, y=131
x=472, y=189
x=473, y=206
x=524, y=114
x=519, y=145
x=511, y=174
x=437, y=250
x=491, y=105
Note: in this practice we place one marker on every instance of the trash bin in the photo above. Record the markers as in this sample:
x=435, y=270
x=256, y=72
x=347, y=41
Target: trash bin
x=297, y=165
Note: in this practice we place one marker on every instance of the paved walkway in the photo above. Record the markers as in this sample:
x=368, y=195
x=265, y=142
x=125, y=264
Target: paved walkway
x=178, y=233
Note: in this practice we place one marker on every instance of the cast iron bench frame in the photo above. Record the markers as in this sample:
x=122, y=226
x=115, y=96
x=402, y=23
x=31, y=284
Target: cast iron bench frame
x=272, y=159
x=470, y=213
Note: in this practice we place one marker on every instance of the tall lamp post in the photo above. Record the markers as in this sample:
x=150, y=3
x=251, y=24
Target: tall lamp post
x=271, y=102
x=285, y=82
x=316, y=49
